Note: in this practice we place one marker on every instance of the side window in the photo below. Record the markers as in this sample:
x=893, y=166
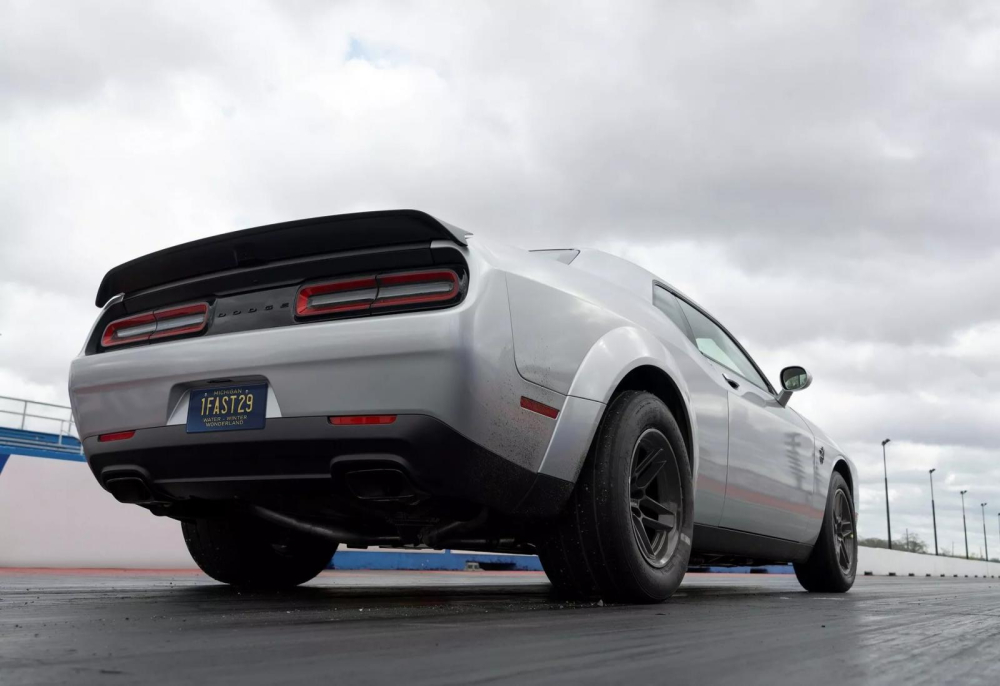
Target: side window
x=716, y=345
x=668, y=304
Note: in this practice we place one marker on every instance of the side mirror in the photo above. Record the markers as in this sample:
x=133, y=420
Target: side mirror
x=793, y=379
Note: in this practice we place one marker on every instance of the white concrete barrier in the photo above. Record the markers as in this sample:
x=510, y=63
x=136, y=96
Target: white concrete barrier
x=54, y=514
x=884, y=562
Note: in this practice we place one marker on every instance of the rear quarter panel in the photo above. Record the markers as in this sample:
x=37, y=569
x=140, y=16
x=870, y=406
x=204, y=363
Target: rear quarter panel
x=580, y=334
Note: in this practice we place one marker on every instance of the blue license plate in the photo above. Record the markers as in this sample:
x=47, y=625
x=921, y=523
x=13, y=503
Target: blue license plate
x=227, y=408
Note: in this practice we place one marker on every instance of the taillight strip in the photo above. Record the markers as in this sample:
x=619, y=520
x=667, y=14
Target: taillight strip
x=412, y=288
x=174, y=321
x=332, y=297
x=360, y=294
x=129, y=330
x=170, y=321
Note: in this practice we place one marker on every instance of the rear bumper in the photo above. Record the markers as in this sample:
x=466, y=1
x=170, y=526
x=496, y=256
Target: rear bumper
x=304, y=457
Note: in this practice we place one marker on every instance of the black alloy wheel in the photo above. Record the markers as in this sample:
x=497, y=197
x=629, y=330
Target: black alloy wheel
x=655, y=492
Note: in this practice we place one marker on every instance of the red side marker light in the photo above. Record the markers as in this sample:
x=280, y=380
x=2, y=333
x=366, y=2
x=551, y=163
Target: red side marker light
x=362, y=420
x=540, y=408
x=117, y=436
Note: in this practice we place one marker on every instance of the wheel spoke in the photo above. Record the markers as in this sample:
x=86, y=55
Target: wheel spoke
x=658, y=524
x=640, y=534
x=657, y=507
x=649, y=468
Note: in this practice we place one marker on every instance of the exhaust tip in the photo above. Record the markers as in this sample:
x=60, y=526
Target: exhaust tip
x=379, y=484
x=129, y=489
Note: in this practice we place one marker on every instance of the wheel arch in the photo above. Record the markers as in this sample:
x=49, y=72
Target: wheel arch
x=654, y=380
x=844, y=469
x=626, y=358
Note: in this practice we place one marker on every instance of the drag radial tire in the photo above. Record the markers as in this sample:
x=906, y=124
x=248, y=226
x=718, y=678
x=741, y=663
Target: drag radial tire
x=251, y=554
x=625, y=535
x=834, y=560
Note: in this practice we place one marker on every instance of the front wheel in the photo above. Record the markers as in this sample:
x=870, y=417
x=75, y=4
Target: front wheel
x=251, y=554
x=626, y=533
x=833, y=564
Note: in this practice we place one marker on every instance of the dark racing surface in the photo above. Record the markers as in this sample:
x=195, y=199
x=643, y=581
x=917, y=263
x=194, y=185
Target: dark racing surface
x=474, y=627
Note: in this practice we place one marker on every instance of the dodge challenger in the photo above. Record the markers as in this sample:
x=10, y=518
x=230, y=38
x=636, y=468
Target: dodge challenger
x=388, y=379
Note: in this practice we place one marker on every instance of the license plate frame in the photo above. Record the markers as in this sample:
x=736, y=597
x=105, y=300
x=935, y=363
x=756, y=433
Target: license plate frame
x=234, y=407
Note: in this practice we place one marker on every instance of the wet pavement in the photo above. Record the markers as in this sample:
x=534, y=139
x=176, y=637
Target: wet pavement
x=471, y=627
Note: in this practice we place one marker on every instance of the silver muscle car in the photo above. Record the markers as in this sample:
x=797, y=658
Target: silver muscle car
x=386, y=378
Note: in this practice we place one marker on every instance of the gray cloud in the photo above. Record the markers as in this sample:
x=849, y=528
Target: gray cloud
x=821, y=176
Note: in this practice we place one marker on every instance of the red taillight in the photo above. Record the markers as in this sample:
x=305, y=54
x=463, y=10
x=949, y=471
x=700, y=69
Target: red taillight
x=129, y=330
x=412, y=288
x=362, y=420
x=333, y=297
x=174, y=321
x=170, y=321
x=540, y=408
x=117, y=436
x=361, y=294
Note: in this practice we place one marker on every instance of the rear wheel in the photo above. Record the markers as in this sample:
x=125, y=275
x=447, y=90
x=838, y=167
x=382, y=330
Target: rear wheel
x=626, y=533
x=251, y=554
x=834, y=561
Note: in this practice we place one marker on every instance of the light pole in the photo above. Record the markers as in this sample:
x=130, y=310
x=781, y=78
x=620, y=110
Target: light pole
x=986, y=546
x=933, y=511
x=964, y=528
x=888, y=522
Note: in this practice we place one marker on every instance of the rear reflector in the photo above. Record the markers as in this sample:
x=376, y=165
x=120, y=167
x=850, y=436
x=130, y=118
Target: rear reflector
x=540, y=408
x=170, y=321
x=117, y=436
x=363, y=420
x=333, y=297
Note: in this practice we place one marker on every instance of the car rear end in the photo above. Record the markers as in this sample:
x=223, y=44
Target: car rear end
x=356, y=368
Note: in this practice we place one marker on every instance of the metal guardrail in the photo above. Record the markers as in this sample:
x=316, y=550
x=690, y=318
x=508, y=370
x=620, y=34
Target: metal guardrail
x=63, y=426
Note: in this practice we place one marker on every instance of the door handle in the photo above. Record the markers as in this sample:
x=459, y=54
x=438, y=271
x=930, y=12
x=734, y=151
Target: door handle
x=732, y=382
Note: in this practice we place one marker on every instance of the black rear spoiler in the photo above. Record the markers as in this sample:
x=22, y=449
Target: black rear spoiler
x=288, y=240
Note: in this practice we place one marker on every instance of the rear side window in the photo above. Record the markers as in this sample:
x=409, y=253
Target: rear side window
x=669, y=305
x=716, y=345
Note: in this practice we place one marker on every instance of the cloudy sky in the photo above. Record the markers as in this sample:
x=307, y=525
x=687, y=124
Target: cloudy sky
x=824, y=177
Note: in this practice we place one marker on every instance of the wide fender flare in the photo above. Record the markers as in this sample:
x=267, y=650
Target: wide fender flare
x=608, y=362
